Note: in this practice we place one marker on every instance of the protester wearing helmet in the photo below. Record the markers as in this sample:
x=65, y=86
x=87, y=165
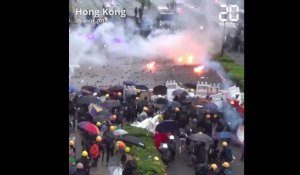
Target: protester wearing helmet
x=213, y=169
x=80, y=169
x=226, y=153
x=172, y=146
x=225, y=169
x=165, y=154
x=85, y=161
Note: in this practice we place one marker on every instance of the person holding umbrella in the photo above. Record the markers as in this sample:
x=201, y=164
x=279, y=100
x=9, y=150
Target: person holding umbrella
x=109, y=142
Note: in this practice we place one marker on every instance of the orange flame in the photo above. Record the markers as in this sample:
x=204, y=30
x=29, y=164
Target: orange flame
x=190, y=59
x=180, y=59
x=198, y=69
x=151, y=65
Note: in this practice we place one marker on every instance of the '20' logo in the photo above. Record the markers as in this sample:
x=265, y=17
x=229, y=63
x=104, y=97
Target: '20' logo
x=223, y=15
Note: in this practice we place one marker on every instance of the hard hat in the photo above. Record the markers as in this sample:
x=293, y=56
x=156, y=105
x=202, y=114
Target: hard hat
x=192, y=90
x=224, y=143
x=216, y=115
x=127, y=149
x=165, y=146
x=207, y=115
x=95, y=94
x=79, y=165
x=113, y=117
x=226, y=165
x=232, y=102
x=214, y=166
x=171, y=137
x=98, y=138
x=98, y=123
x=112, y=128
x=194, y=121
x=107, y=95
x=120, y=145
x=119, y=93
x=145, y=108
x=84, y=154
x=156, y=158
x=177, y=109
x=137, y=98
x=71, y=143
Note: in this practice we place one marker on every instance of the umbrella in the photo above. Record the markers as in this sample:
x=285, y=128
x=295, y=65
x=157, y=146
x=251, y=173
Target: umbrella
x=88, y=99
x=180, y=92
x=224, y=135
x=174, y=104
x=160, y=90
x=71, y=88
x=89, y=127
x=240, y=133
x=210, y=108
x=129, y=83
x=161, y=101
x=115, y=170
x=94, y=109
x=167, y=126
x=89, y=89
x=132, y=140
x=142, y=87
x=190, y=85
x=119, y=132
x=111, y=103
x=200, y=137
x=103, y=115
x=190, y=99
x=116, y=88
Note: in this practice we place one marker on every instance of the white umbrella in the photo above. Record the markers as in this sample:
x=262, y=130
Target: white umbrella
x=114, y=170
x=119, y=132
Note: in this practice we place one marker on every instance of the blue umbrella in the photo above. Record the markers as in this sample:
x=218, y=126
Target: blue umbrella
x=210, y=108
x=129, y=83
x=224, y=135
x=167, y=126
x=71, y=88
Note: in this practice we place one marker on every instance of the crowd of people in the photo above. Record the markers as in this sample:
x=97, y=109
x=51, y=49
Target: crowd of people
x=136, y=108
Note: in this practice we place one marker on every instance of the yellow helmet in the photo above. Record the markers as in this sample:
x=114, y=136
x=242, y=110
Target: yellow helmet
x=192, y=90
x=207, y=115
x=84, y=154
x=214, y=166
x=113, y=117
x=177, y=109
x=107, y=95
x=216, y=115
x=224, y=143
x=226, y=165
x=145, y=108
x=156, y=158
x=127, y=149
x=112, y=128
x=71, y=143
x=98, y=123
x=98, y=138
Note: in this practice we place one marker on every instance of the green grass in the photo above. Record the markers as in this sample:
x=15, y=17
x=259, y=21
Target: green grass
x=146, y=165
x=235, y=71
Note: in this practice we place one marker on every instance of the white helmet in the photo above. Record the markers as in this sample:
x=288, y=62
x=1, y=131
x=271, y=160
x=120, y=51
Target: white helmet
x=165, y=146
x=171, y=137
x=79, y=166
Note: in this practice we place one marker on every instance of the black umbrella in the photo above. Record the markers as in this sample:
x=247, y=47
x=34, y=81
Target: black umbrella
x=132, y=140
x=160, y=90
x=210, y=108
x=142, y=87
x=89, y=89
x=111, y=103
x=116, y=88
x=180, y=92
x=174, y=104
x=190, y=85
x=167, y=126
x=161, y=101
x=88, y=99
x=190, y=99
x=129, y=83
x=200, y=137
x=103, y=115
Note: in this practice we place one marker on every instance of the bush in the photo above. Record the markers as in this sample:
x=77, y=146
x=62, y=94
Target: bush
x=146, y=165
x=235, y=71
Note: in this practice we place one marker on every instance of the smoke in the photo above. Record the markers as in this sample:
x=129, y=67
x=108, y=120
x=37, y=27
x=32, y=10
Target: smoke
x=111, y=41
x=232, y=116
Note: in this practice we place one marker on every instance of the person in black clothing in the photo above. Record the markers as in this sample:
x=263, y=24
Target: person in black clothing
x=201, y=169
x=129, y=167
x=85, y=161
x=80, y=169
x=201, y=153
x=109, y=138
x=212, y=154
x=135, y=11
x=165, y=154
x=213, y=169
x=140, y=13
x=226, y=153
x=172, y=147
